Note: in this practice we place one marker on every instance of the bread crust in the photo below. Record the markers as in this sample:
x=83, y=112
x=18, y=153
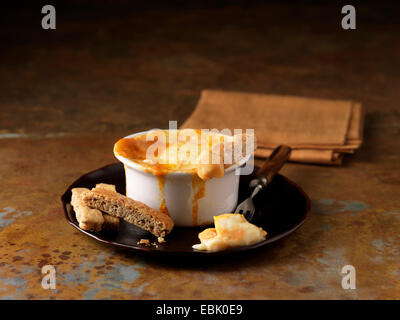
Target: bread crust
x=89, y=219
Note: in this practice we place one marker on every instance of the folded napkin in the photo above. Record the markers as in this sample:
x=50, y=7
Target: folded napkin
x=318, y=130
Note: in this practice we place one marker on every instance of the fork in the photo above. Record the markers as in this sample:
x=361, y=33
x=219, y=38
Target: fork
x=264, y=176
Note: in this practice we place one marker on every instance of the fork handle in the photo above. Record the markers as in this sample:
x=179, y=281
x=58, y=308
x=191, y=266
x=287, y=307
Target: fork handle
x=274, y=163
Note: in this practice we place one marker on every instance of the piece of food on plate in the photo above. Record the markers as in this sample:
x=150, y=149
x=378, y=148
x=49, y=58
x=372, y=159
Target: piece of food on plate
x=88, y=219
x=92, y=219
x=231, y=230
x=144, y=242
x=135, y=212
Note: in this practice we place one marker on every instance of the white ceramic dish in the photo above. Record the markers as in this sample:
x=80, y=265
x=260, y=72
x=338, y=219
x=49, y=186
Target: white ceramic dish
x=178, y=192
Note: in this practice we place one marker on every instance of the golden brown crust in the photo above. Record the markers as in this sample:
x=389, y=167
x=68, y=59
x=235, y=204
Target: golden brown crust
x=130, y=210
x=89, y=219
x=106, y=186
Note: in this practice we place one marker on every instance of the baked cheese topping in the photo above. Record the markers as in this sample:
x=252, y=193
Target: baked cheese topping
x=231, y=230
x=184, y=150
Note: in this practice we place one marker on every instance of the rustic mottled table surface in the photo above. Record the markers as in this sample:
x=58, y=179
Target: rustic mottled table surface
x=109, y=70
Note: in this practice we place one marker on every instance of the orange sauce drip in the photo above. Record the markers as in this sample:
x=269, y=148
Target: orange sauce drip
x=161, y=186
x=199, y=190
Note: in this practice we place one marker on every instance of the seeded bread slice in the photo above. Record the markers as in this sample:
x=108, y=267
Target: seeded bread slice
x=132, y=211
x=110, y=222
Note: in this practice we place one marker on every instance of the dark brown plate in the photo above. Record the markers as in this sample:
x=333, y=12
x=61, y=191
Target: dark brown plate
x=280, y=210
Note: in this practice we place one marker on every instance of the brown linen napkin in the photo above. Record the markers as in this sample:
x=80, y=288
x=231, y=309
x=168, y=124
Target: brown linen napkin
x=318, y=130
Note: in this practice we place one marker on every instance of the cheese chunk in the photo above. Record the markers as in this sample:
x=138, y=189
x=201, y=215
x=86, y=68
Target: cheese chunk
x=231, y=230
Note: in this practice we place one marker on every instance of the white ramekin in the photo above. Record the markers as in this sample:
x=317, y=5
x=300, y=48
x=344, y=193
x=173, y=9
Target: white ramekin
x=221, y=194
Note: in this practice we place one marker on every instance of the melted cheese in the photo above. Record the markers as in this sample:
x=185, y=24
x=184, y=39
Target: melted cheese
x=185, y=150
x=231, y=230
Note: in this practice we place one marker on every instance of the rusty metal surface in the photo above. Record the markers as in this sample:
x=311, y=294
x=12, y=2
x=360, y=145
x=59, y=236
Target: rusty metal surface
x=66, y=97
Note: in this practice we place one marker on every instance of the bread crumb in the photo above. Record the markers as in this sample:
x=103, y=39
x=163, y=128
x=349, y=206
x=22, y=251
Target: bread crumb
x=144, y=241
x=161, y=240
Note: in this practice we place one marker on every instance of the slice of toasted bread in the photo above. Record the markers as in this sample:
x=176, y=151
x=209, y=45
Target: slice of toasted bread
x=92, y=219
x=132, y=211
x=110, y=222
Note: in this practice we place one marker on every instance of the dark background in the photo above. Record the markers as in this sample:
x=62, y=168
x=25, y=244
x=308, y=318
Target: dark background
x=123, y=66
